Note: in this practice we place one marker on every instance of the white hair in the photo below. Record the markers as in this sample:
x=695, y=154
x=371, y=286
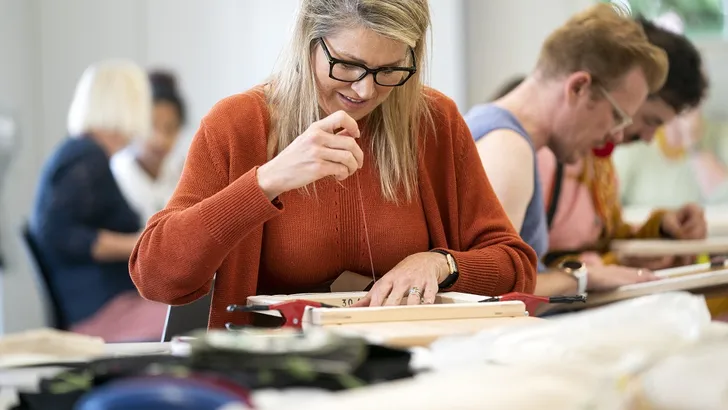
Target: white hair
x=112, y=95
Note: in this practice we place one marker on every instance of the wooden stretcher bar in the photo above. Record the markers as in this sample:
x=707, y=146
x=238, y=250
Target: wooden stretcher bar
x=446, y=311
x=344, y=299
x=448, y=305
x=666, y=247
x=688, y=270
x=712, y=281
x=452, y=314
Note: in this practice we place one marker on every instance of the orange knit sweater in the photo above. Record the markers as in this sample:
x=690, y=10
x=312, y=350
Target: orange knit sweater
x=220, y=222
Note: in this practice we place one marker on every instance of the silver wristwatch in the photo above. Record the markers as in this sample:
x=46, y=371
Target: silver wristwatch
x=577, y=269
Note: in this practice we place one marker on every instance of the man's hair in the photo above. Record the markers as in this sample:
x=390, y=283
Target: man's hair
x=606, y=42
x=686, y=84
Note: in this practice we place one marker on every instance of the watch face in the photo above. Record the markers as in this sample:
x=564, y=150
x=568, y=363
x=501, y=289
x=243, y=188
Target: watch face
x=573, y=265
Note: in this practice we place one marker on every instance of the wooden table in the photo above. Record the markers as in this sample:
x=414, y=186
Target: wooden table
x=16, y=379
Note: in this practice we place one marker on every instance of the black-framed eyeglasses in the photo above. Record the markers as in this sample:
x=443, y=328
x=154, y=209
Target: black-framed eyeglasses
x=351, y=72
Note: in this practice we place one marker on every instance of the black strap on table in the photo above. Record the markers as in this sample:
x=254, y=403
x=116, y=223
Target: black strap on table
x=555, y=192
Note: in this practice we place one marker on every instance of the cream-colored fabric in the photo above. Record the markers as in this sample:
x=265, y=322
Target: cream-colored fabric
x=618, y=338
x=479, y=387
x=42, y=345
x=696, y=379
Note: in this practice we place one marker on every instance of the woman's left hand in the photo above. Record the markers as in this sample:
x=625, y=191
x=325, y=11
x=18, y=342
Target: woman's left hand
x=416, y=278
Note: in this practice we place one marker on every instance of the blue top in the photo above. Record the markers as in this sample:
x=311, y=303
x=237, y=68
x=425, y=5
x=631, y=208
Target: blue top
x=485, y=118
x=77, y=196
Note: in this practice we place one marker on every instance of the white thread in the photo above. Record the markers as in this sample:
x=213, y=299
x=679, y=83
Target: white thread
x=366, y=230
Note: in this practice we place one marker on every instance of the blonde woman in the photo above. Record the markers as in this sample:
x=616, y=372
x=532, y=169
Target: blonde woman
x=343, y=161
x=84, y=229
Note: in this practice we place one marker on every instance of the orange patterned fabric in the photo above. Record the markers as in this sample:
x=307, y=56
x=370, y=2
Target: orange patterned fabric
x=598, y=176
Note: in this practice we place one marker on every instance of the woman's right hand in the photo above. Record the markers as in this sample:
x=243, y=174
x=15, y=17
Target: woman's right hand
x=609, y=277
x=315, y=154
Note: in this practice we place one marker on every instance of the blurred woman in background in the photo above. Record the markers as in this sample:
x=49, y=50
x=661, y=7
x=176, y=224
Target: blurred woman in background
x=84, y=229
x=143, y=170
x=685, y=164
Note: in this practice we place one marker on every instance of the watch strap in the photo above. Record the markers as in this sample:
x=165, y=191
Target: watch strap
x=454, y=272
x=581, y=283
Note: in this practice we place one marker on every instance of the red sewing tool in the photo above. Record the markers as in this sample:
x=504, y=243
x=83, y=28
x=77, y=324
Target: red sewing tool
x=532, y=301
x=291, y=310
x=605, y=151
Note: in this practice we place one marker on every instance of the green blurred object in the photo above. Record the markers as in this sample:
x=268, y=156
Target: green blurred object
x=701, y=17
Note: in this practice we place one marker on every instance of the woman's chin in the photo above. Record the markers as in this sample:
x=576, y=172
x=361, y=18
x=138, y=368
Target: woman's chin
x=355, y=111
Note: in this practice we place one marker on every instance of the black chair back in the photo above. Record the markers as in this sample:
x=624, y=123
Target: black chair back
x=43, y=273
x=184, y=319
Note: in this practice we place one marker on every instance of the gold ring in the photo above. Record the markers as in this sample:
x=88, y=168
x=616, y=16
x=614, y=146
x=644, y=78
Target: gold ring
x=415, y=291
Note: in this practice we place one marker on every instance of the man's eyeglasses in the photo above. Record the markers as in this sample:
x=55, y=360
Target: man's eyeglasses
x=351, y=72
x=621, y=119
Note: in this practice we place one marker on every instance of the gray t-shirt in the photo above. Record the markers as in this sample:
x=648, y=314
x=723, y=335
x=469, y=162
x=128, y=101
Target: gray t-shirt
x=485, y=118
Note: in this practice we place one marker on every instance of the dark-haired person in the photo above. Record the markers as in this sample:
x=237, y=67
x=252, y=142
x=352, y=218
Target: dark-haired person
x=146, y=175
x=687, y=157
x=586, y=208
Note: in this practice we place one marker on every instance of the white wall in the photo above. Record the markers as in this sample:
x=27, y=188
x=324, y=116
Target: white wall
x=19, y=303
x=715, y=55
x=74, y=34
x=448, y=63
x=504, y=38
x=217, y=48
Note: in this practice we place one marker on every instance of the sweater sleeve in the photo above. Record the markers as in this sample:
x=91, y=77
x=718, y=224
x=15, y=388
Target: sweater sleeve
x=182, y=246
x=493, y=259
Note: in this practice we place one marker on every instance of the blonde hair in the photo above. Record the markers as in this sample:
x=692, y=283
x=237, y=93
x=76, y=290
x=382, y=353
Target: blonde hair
x=394, y=126
x=606, y=42
x=112, y=95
